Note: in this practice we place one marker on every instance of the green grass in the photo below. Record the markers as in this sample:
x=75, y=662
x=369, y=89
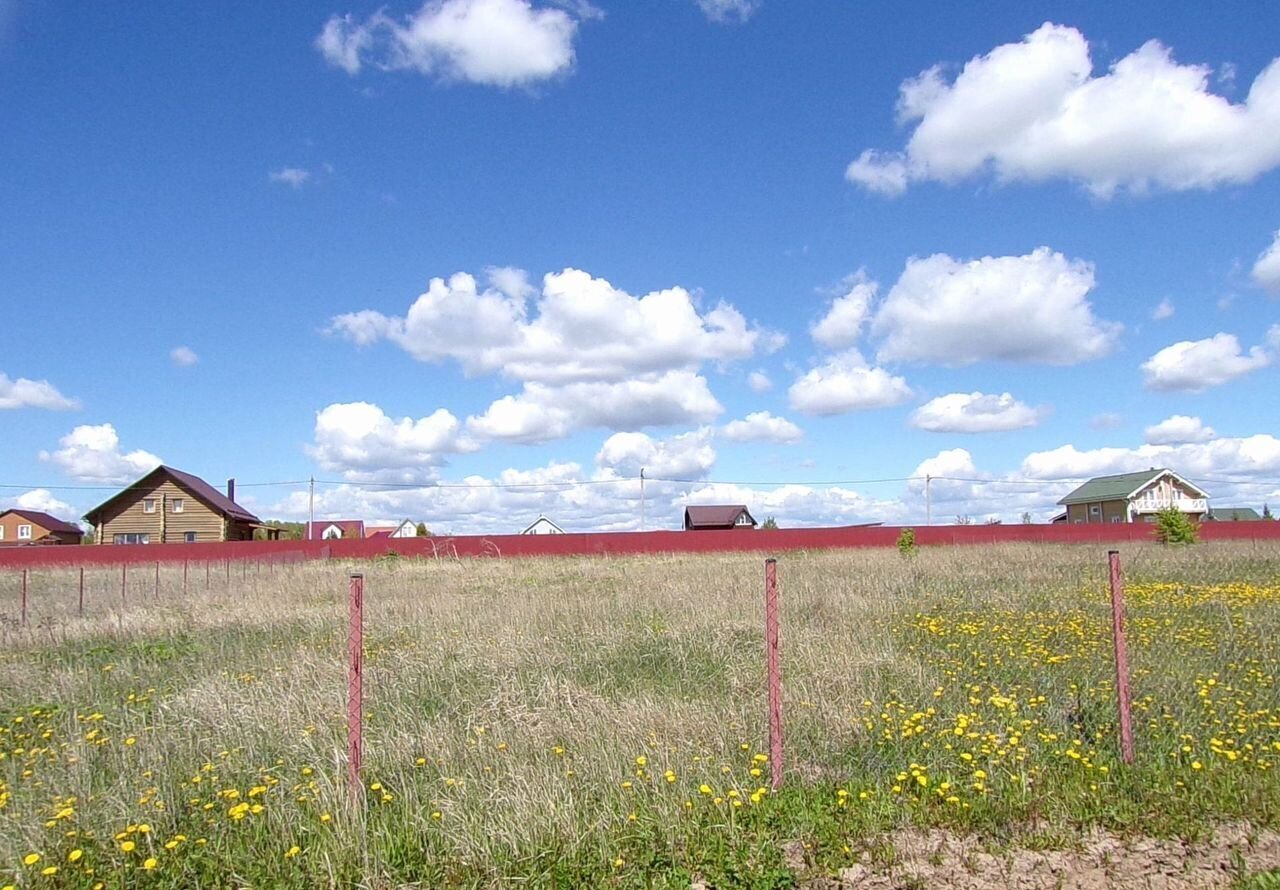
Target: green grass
x=521, y=716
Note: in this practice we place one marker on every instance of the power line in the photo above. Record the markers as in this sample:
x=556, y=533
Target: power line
x=623, y=480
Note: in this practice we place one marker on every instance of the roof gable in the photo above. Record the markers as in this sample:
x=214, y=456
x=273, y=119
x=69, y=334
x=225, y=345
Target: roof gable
x=197, y=487
x=539, y=520
x=715, y=515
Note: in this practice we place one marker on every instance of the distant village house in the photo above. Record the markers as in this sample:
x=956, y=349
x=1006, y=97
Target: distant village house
x=34, y=527
x=1134, y=497
x=542, y=526
x=718, y=516
x=406, y=529
x=170, y=506
x=332, y=529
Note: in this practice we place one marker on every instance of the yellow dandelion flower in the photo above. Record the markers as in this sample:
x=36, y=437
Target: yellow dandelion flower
x=128, y=846
x=150, y=863
x=30, y=859
x=49, y=871
x=292, y=851
x=74, y=855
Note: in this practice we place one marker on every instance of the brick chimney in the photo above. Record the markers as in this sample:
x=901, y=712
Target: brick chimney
x=231, y=490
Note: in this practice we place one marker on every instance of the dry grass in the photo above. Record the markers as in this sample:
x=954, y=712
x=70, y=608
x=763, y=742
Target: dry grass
x=507, y=703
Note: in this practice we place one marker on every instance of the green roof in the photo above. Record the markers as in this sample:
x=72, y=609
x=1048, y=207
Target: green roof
x=1110, y=488
x=1234, y=514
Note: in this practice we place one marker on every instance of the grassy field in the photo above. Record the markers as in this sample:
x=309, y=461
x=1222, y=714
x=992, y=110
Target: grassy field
x=600, y=722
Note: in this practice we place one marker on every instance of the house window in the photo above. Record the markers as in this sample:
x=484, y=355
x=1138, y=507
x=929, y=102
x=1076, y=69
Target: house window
x=24, y=533
x=148, y=505
x=742, y=519
x=133, y=538
x=1117, y=519
x=1, y=532
x=178, y=505
x=187, y=537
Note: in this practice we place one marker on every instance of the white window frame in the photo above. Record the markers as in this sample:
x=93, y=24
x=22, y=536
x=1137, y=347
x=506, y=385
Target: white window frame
x=148, y=505
x=1095, y=509
x=138, y=538
x=1, y=532
x=24, y=533
x=742, y=520
x=179, y=505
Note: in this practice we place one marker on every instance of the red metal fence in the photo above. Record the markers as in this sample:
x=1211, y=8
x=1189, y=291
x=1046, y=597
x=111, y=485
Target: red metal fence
x=615, y=543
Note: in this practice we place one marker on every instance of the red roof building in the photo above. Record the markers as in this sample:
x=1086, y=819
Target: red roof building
x=34, y=527
x=328, y=529
x=718, y=516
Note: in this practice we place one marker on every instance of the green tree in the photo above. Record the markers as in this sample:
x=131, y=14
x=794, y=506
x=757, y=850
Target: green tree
x=1266, y=512
x=907, y=542
x=1026, y=519
x=422, y=530
x=1175, y=527
x=769, y=524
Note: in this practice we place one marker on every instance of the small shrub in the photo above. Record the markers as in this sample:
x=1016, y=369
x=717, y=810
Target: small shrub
x=1175, y=527
x=907, y=542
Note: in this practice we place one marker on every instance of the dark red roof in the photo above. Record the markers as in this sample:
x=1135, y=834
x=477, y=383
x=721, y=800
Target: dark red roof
x=351, y=528
x=45, y=521
x=194, y=484
x=715, y=516
x=207, y=492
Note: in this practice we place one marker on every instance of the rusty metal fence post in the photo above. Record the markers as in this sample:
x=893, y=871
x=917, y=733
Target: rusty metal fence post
x=1124, y=699
x=774, y=670
x=355, y=682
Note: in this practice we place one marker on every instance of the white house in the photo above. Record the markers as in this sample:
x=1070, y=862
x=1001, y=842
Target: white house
x=543, y=526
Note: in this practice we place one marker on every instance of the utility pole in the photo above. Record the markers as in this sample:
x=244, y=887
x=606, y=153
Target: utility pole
x=311, y=508
x=642, y=499
x=928, y=499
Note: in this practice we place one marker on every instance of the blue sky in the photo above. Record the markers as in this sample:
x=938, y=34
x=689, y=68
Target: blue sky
x=738, y=244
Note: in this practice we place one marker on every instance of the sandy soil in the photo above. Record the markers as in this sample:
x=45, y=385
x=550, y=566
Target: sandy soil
x=1102, y=860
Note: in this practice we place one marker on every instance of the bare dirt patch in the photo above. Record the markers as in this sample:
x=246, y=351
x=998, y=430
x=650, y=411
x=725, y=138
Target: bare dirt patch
x=1101, y=860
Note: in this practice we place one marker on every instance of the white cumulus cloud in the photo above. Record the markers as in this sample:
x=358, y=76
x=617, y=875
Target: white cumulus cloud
x=540, y=412
x=686, y=456
x=183, y=356
x=1177, y=430
x=1035, y=110
x=40, y=500
x=759, y=381
x=578, y=328
x=92, y=454
x=845, y=383
x=24, y=393
x=1030, y=309
x=842, y=325
x=761, y=426
x=360, y=441
x=1266, y=271
x=504, y=43
x=974, y=412
x=1163, y=310
x=1197, y=365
